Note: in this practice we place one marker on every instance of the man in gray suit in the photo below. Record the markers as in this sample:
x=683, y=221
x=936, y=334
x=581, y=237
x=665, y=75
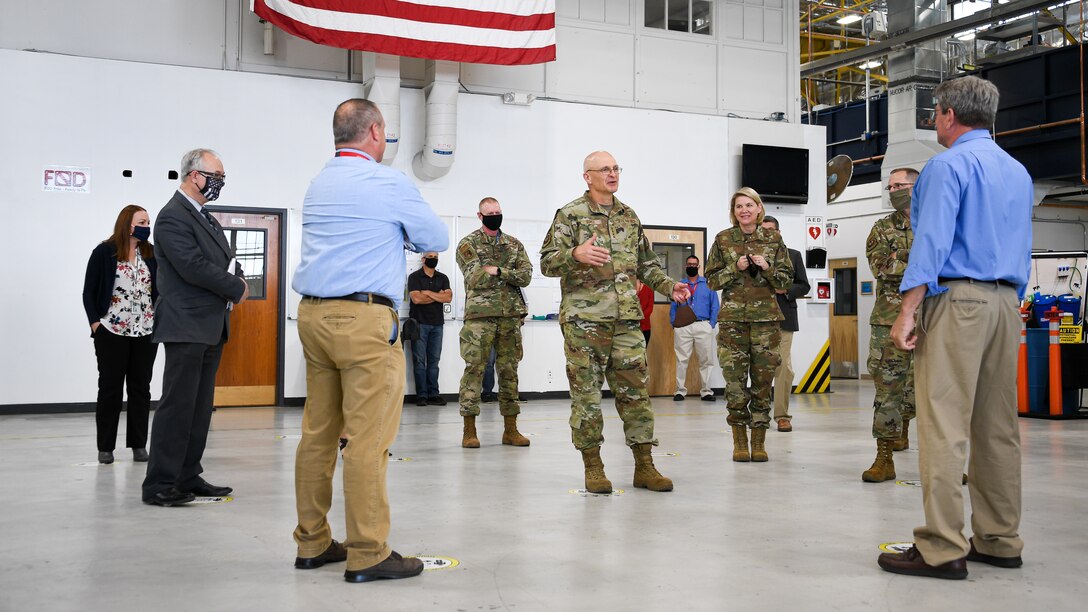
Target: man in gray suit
x=199, y=282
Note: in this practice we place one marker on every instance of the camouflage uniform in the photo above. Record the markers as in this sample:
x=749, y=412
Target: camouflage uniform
x=748, y=329
x=600, y=315
x=888, y=249
x=494, y=310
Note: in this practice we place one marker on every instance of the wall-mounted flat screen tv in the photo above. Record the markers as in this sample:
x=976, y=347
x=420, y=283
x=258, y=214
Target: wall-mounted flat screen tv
x=778, y=174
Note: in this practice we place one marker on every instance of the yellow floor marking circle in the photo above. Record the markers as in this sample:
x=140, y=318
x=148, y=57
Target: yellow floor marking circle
x=896, y=547
x=586, y=493
x=212, y=500
x=437, y=563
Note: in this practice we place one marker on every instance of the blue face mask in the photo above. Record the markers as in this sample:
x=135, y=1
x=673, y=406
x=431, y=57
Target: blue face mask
x=141, y=233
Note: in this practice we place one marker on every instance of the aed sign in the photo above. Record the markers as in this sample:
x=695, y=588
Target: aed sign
x=71, y=179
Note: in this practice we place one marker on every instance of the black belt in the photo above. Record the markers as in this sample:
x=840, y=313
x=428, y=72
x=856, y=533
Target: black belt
x=944, y=279
x=371, y=298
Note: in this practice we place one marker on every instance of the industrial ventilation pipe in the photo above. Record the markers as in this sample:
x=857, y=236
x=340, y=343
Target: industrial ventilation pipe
x=384, y=90
x=435, y=159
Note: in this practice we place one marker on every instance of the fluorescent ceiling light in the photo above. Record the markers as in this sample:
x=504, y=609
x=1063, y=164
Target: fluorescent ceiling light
x=848, y=19
x=869, y=65
x=968, y=35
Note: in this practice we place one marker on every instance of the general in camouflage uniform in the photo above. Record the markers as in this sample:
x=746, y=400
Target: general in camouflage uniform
x=597, y=248
x=892, y=369
x=748, y=263
x=495, y=267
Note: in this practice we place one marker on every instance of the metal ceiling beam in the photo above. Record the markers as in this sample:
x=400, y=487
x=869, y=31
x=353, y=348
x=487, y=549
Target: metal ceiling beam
x=896, y=43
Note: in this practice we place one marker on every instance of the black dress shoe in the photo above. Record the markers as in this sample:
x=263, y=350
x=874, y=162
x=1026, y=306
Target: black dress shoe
x=421, y=401
x=169, y=497
x=335, y=553
x=487, y=398
x=206, y=489
x=436, y=401
x=1006, y=562
x=911, y=563
x=105, y=457
x=708, y=398
x=394, y=566
x=140, y=455
x=679, y=397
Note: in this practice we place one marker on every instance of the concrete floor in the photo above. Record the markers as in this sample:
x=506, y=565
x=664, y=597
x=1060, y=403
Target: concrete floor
x=798, y=533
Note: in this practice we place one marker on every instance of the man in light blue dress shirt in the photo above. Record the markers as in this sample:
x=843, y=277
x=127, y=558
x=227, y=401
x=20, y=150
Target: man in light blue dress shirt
x=969, y=266
x=357, y=218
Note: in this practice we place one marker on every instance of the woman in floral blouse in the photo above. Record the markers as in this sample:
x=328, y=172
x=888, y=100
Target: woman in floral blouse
x=118, y=295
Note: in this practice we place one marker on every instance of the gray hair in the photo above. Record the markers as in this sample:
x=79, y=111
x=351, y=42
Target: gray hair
x=352, y=120
x=973, y=99
x=912, y=174
x=194, y=160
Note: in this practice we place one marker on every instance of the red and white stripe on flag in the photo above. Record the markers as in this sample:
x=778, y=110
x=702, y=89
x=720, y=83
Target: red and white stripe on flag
x=508, y=32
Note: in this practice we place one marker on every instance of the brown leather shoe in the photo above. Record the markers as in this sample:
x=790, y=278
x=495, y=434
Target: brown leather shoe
x=1006, y=562
x=911, y=563
x=335, y=553
x=394, y=566
x=784, y=425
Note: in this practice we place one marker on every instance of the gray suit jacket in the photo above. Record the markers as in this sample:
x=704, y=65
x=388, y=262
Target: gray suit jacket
x=194, y=283
x=799, y=288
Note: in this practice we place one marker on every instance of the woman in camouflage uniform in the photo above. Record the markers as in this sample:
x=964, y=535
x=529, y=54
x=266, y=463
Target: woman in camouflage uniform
x=748, y=263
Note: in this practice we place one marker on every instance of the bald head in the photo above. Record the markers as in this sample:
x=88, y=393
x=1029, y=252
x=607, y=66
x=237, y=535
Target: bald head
x=598, y=159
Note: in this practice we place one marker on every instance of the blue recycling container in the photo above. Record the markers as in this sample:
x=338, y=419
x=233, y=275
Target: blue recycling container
x=1042, y=304
x=1071, y=304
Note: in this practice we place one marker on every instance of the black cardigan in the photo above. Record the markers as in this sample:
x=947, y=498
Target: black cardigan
x=98, y=285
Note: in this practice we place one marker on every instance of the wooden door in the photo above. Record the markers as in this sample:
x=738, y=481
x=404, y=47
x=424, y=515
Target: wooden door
x=673, y=245
x=247, y=373
x=844, y=318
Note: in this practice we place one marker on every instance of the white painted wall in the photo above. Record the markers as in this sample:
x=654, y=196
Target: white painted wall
x=273, y=135
x=860, y=206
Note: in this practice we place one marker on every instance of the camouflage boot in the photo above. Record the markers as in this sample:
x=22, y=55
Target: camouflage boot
x=758, y=452
x=740, y=443
x=884, y=466
x=596, y=481
x=646, y=475
x=902, y=442
x=510, y=433
x=469, y=439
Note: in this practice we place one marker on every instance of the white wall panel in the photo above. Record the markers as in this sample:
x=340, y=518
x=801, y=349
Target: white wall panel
x=592, y=66
x=293, y=55
x=591, y=11
x=187, y=33
x=487, y=78
x=618, y=12
x=732, y=20
x=677, y=74
x=753, y=24
x=753, y=81
x=773, y=27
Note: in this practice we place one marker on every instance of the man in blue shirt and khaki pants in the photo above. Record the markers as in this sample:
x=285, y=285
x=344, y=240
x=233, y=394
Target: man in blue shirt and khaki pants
x=356, y=218
x=969, y=266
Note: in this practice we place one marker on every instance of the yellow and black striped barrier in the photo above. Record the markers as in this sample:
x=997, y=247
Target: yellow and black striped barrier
x=818, y=377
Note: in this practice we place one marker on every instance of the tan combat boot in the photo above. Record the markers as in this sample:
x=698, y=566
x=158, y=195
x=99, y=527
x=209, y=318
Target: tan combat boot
x=510, y=433
x=902, y=442
x=596, y=481
x=884, y=466
x=758, y=452
x=469, y=439
x=740, y=443
x=646, y=475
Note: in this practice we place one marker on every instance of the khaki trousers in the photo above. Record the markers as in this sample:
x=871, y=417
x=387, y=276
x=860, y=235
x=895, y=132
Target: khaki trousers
x=783, y=378
x=700, y=336
x=965, y=385
x=355, y=385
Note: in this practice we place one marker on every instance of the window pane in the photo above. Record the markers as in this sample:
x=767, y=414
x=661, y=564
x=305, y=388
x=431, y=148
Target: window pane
x=655, y=14
x=249, y=250
x=701, y=16
x=672, y=257
x=679, y=15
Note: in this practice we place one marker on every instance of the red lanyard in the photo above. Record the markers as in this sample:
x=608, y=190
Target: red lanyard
x=350, y=154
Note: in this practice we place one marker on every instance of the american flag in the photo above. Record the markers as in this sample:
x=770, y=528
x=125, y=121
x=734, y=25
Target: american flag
x=509, y=32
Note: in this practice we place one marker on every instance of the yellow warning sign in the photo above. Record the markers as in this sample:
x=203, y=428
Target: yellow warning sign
x=1070, y=334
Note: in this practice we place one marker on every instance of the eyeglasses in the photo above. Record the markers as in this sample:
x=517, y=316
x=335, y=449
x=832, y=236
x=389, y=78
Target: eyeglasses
x=898, y=186
x=215, y=175
x=606, y=170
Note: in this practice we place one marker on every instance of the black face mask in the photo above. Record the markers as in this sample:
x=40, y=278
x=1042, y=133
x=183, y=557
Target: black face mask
x=493, y=222
x=212, y=187
x=141, y=232
x=692, y=271
x=431, y=262
x=753, y=269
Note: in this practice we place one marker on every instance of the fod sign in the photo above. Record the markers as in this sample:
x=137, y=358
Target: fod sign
x=66, y=178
